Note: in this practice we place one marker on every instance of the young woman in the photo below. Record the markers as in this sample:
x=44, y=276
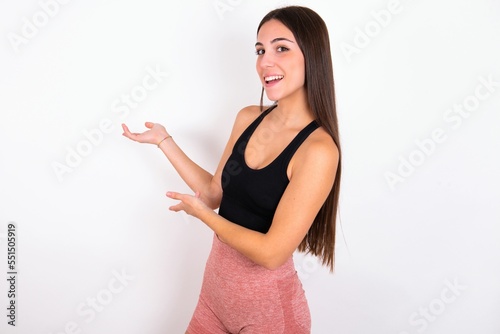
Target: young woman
x=276, y=186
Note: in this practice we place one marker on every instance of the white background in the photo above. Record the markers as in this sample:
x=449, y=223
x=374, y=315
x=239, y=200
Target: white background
x=400, y=247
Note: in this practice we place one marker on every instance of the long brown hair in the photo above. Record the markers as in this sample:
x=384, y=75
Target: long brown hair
x=311, y=34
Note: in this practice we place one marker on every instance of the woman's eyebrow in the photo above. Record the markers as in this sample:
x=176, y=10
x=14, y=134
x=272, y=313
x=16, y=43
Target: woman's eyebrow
x=278, y=39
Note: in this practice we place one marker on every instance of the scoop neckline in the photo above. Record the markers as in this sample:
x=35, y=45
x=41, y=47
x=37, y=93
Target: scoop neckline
x=282, y=151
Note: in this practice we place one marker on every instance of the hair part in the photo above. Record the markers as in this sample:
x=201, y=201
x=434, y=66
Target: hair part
x=311, y=34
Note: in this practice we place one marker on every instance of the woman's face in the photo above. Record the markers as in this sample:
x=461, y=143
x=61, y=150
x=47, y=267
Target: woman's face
x=280, y=62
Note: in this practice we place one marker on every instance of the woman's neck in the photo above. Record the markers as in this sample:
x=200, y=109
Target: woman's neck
x=293, y=111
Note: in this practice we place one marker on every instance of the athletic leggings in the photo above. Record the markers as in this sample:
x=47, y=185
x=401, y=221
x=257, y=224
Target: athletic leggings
x=240, y=296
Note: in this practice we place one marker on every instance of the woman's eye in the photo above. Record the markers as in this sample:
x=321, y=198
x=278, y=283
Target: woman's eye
x=259, y=52
x=282, y=49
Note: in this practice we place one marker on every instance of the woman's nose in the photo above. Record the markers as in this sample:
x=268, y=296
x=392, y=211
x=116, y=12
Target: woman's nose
x=266, y=61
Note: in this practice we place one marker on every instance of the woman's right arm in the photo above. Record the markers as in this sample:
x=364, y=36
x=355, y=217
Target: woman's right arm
x=197, y=178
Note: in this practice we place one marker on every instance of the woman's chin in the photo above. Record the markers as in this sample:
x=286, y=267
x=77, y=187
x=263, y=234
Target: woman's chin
x=272, y=97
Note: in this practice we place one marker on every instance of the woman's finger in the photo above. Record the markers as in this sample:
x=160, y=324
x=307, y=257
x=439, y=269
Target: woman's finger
x=176, y=208
x=174, y=195
x=125, y=128
x=181, y=206
x=127, y=133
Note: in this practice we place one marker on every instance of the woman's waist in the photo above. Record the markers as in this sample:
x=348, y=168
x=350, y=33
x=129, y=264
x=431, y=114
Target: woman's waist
x=228, y=263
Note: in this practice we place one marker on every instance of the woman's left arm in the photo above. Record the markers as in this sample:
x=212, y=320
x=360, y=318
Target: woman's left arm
x=311, y=180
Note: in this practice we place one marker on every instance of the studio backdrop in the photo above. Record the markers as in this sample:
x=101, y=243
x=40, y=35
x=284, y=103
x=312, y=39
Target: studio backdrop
x=87, y=243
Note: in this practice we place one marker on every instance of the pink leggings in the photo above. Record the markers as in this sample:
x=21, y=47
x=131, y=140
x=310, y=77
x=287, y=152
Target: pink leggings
x=239, y=296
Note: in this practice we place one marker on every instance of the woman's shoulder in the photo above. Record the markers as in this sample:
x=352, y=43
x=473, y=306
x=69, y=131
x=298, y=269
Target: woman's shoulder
x=249, y=112
x=320, y=142
x=319, y=147
x=247, y=115
x=252, y=111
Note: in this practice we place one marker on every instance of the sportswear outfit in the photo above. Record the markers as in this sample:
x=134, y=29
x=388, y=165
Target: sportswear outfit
x=238, y=295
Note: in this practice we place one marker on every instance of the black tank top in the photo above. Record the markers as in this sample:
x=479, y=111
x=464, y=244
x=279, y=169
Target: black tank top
x=250, y=196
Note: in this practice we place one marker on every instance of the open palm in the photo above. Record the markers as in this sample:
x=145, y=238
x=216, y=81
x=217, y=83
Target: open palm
x=155, y=133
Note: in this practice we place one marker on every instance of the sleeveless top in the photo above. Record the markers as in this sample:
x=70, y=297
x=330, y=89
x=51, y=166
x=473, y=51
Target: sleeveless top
x=250, y=196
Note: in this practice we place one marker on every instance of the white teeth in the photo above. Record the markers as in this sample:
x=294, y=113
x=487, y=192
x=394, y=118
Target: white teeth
x=273, y=77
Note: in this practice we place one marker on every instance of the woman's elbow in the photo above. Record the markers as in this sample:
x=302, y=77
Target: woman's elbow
x=213, y=197
x=213, y=203
x=273, y=261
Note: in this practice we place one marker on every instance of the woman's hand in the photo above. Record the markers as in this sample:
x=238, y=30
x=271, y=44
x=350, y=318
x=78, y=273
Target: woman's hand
x=190, y=204
x=154, y=135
